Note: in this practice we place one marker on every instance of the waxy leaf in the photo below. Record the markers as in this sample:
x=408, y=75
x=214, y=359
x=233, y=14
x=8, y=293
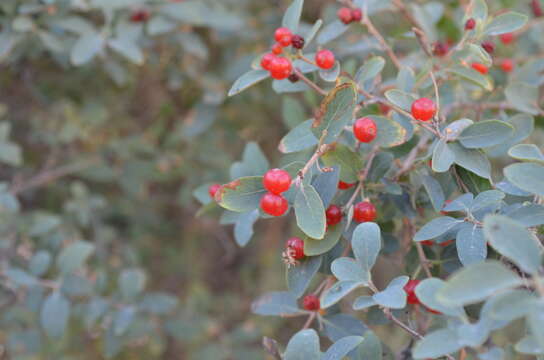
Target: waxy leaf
x=485, y=134
x=526, y=176
x=310, y=212
x=241, y=195
x=248, y=79
x=335, y=112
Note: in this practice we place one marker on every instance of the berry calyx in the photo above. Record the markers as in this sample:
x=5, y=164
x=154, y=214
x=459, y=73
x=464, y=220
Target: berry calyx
x=280, y=68
x=479, y=67
x=356, y=15
x=212, y=190
x=364, y=211
x=423, y=109
x=488, y=46
x=506, y=38
x=440, y=48
x=333, y=215
x=344, y=15
x=311, y=303
x=294, y=250
x=365, y=129
x=277, y=181
x=297, y=41
x=410, y=289
x=344, y=185
x=507, y=65
x=324, y=59
x=266, y=60
x=537, y=9
x=293, y=78
x=470, y=24
x=283, y=36
x=140, y=16
x=273, y=204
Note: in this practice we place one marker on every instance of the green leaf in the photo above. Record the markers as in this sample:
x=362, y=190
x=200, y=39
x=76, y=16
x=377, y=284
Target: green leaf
x=473, y=76
x=40, y=262
x=299, y=138
x=122, y=320
x=20, y=277
x=73, y=256
x=350, y=162
x=486, y=198
x=54, y=314
x=331, y=31
x=371, y=68
x=472, y=160
x=535, y=320
x=300, y=276
x=523, y=126
x=254, y=162
x=455, y=128
x=435, y=228
x=523, y=97
x=314, y=247
x=330, y=75
x=86, y=48
x=390, y=133
x=400, y=98
x=529, y=345
x=436, y=344
x=514, y=241
x=248, y=79
x=478, y=11
x=293, y=112
x=336, y=292
x=338, y=326
x=326, y=184
x=302, y=346
x=160, y=25
x=405, y=78
x=275, y=303
x=313, y=32
x=366, y=244
x=528, y=214
x=512, y=304
x=473, y=182
x=291, y=18
x=435, y=192
x=131, y=282
x=476, y=282
x=159, y=303
x=506, y=23
x=335, y=112
x=426, y=293
x=348, y=269
x=363, y=302
x=241, y=195
x=526, y=176
x=342, y=348
x=127, y=48
x=243, y=228
x=471, y=245
x=393, y=296
x=485, y=134
x=10, y=154
x=310, y=212
x=526, y=152
x=443, y=157
x=380, y=166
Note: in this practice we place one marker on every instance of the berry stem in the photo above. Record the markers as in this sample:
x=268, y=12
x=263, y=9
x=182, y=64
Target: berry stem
x=321, y=149
x=374, y=32
x=309, y=82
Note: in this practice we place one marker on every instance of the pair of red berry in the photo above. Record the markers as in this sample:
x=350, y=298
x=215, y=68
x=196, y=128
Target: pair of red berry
x=276, y=181
x=411, y=297
x=347, y=15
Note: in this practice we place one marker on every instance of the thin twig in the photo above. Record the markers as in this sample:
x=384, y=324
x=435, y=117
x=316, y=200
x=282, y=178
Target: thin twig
x=309, y=82
x=423, y=259
x=412, y=156
x=310, y=320
x=321, y=149
x=374, y=32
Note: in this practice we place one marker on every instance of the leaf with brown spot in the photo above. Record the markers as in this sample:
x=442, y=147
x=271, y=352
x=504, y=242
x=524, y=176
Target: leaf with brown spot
x=241, y=195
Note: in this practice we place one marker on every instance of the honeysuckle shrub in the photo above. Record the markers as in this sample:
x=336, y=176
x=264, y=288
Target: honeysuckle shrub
x=457, y=184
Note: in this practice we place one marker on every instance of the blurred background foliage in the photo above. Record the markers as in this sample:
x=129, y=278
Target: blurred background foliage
x=112, y=113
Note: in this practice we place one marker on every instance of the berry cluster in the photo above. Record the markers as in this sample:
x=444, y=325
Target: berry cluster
x=276, y=181
x=347, y=15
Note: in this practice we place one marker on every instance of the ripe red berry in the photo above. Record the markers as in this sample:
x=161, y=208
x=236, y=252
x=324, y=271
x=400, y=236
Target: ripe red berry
x=273, y=204
x=488, y=46
x=277, y=49
x=311, y=303
x=446, y=243
x=140, y=16
x=295, y=246
x=280, y=68
x=277, y=181
x=343, y=185
x=470, y=24
x=364, y=211
x=344, y=15
x=212, y=190
x=356, y=15
x=537, y=9
x=410, y=289
x=507, y=65
x=333, y=215
x=427, y=242
x=297, y=41
x=324, y=59
x=266, y=59
x=365, y=129
x=440, y=48
x=507, y=38
x=423, y=109
x=479, y=67
x=283, y=36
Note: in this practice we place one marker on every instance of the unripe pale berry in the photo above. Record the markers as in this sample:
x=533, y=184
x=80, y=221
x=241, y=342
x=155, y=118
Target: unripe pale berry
x=297, y=41
x=356, y=15
x=365, y=129
x=324, y=59
x=507, y=65
x=266, y=60
x=311, y=303
x=296, y=247
x=479, y=67
x=423, y=109
x=333, y=215
x=410, y=289
x=507, y=38
x=344, y=185
x=344, y=15
x=212, y=190
x=470, y=24
x=280, y=68
x=283, y=36
x=277, y=181
x=364, y=211
x=273, y=204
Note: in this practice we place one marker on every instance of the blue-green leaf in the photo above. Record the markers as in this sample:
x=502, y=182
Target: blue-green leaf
x=310, y=212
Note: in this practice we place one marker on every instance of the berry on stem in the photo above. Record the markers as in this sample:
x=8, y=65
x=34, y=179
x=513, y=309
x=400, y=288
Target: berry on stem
x=470, y=24
x=488, y=46
x=295, y=246
x=212, y=190
x=364, y=211
x=344, y=185
x=311, y=303
x=273, y=204
x=293, y=78
x=297, y=41
x=356, y=15
x=333, y=215
x=277, y=49
x=324, y=59
x=283, y=36
x=506, y=38
x=277, y=181
x=507, y=65
x=266, y=60
x=440, y=48
x=479, y=67
x=365, y=129
x=537, y=9
x=280, y=68
x=423, y=109
x=410, y=289
x=344, y=15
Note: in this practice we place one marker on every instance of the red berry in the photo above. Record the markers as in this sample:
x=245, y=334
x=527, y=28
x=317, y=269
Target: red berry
x=140, y=16
x=507, y=38
x=333, y=215
x=297, y=41
x=384, y=109
x=446, y=243
x=280, y=68
x=365, y=129
x=537, y=9
x=283, y=36
x=364, y=211
x=277, y=181
x=481, y=68
x=293, y=78
x=507, y=65
x=488, y=46
x=470, y=24
x=410, y=289
x=344, y=15
x=423, y=109
x=273, y=204
x=324, y=59
x=427, y=243
x=440, y=48
x=212, y=190
x=311, y=303
x=277, y=49
x=356, y=15
x=296, y=247
x=266, y=60
x=343, y=185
